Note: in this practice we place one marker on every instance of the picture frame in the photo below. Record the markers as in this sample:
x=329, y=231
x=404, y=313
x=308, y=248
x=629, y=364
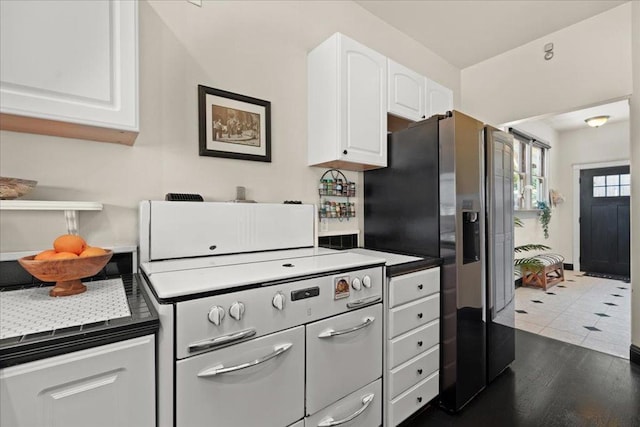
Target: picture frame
x=233, y=126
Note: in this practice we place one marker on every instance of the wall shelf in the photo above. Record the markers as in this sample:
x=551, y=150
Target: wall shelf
x=70, y=209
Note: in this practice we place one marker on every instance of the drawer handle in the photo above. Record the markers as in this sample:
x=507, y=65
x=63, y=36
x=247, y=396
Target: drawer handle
x=419, y=315
x=331, y=333
x=220, y=369
x=419, y=371
x=420, y=286
x=330, y=422
x=419, y=343
x=225, y=339
x=419, y=399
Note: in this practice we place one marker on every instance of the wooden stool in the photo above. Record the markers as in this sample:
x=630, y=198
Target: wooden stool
x=550, y=274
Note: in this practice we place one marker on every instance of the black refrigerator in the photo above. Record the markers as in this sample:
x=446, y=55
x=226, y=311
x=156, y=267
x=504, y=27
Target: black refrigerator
x=448, y=192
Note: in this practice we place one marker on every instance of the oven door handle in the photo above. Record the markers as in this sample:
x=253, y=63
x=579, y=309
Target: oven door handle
x=218, y=341
x=329, y=422
x=220, y=369
x=364, y=301
x=332, y=333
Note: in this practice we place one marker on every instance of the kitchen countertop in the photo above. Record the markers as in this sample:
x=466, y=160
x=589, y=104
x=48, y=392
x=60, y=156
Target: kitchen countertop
x=398, y=264
x=142, y=321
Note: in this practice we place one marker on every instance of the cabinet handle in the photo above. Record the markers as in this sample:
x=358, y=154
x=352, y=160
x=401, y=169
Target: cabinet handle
x=344, y=152
x=420, y=286
x=419, y=343
x=419, y=399
x=419, y=315
x=420, y=371
x=329, y=422
x=424, y=117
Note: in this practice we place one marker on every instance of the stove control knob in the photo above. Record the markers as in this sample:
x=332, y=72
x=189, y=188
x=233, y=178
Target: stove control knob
x=236, y=310
x=278, y=300
x=356, y=284
x=216, y=314
x=366, y=281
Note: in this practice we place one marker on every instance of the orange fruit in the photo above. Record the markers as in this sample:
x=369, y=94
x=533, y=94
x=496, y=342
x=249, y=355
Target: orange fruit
x=45, y=254
x=92, y=251
x=64, y=255
x=70, y=243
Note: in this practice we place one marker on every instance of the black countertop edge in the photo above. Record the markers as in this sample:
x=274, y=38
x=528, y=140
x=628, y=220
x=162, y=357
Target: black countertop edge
x=180, y=298
x=143, y=321
x=413, y=266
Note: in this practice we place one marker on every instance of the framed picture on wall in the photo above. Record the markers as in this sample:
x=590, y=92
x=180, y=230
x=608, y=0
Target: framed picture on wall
x=234, y=126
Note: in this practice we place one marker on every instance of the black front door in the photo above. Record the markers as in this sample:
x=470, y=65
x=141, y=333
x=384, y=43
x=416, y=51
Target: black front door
x=605, y=232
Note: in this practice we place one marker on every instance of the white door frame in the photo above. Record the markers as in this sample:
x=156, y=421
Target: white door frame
x=576, y=201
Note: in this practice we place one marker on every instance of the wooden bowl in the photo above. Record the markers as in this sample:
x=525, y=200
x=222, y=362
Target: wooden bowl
x=12, y=188
x=65, y=272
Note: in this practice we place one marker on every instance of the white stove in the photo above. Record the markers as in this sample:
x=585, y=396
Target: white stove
x=258, y=326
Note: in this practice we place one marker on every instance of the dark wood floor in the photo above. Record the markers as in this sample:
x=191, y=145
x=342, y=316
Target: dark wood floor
x=551, y=384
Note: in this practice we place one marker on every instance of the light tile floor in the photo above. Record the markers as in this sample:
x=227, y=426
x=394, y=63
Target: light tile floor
x=587, y=311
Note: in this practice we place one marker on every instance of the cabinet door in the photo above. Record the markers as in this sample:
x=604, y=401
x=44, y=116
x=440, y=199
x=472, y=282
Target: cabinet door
x=439, y=98
x=363, y=94
x=70, y=61
x=110, y=385
x=406, y=92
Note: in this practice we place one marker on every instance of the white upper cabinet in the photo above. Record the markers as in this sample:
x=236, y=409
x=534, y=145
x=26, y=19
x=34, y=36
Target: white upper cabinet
x=347, y=105
x=406, y=92
x=439, y=98
x=70, y=68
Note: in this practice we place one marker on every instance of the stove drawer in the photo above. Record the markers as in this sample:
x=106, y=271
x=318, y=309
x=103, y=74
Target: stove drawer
x=362, y=408
x=404, y=347
x=210, y=386
x=414, y=314
x=412, y=286
x=343, y=354
x=400, y=408
x=413, y=371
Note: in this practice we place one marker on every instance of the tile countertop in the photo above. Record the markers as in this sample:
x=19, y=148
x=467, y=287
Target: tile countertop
x=142, y=321
x=398, y=264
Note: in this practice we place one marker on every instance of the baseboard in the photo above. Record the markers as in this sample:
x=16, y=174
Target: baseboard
x=634, y=354
x=568, y=266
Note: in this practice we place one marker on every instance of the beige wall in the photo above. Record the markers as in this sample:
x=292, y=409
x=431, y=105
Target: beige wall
x=252, y=48
x=635, y=180
x=592, y=63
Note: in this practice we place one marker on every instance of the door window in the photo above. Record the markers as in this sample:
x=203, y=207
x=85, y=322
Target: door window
x=612, y=185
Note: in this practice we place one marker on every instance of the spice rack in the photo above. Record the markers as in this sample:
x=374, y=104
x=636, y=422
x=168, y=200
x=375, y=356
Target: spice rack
x=333, y=184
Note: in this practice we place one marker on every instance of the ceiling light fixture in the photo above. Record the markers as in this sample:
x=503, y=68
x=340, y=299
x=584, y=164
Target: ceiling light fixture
x=597, y=121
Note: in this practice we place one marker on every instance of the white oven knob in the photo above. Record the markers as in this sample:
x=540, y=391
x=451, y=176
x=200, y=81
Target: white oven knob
x=237, y=310
x=366, y=281
x=216, y=314
x=356, y=284
x=278, y=300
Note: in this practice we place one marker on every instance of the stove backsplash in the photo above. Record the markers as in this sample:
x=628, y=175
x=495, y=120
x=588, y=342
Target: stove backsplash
x=343, y=241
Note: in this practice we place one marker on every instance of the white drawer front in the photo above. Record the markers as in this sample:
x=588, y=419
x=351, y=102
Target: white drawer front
x=404, y=347
x=338, y=364
x=365, y=404
x=416, y=313
x=409, y=287
x=203, y=397
x=400, y=408
x=413, y=371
